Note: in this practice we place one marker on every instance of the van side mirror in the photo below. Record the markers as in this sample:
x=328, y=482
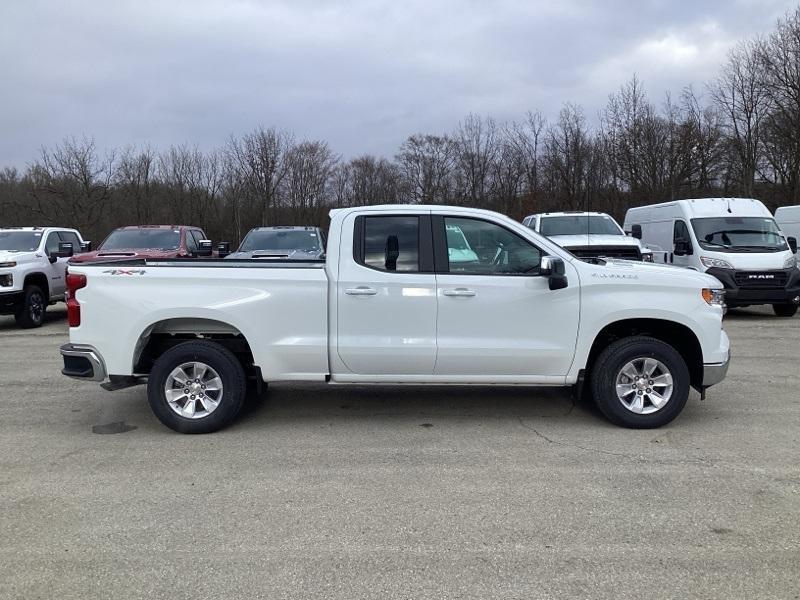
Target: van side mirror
x=792, y=241
x=682, y=247
x=204, y=248
x=636, y=231
x=553, y=268
x=392, y=252
x=64, y=251
x=86, y=246
x=223, y=249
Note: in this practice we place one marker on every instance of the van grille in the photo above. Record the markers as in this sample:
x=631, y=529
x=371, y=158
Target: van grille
x=761, y=279
x=623, y=252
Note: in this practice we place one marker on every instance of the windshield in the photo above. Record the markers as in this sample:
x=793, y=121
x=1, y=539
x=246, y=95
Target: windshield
x=271, y=239
x=19, y=241
x=735, y=234
x=579, y=225
x=141, y=239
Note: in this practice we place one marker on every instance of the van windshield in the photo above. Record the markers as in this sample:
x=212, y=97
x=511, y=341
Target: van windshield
x=739, y=234
x=579, y=225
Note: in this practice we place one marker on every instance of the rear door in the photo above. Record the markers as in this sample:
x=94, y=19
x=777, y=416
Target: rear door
x=498, y=320
x=386, y=295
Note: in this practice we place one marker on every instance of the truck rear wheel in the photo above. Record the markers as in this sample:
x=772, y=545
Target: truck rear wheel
x=785, y=310
x=34, y=304
x=196, y=387
x=640, y=382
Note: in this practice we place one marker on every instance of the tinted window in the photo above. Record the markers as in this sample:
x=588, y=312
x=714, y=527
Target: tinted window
x=19, y=241
x=52, y=243
x=579, y=225
x=392, y=243
x=743, y=233
x=133, y=239
x=480, y=247
x=277, y=239
x=68, y=236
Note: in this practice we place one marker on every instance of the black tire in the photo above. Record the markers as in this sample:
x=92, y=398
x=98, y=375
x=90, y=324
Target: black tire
x=34, y=305
x=221, y=360
x=785, y=310
x=609, y=364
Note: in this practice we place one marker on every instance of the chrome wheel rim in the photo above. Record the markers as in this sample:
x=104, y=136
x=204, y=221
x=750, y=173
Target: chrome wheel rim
x=644, y=385
x=193, y=390
x=36, y=307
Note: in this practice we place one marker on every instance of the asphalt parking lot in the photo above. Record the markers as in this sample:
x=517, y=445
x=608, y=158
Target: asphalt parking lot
x=401, y=493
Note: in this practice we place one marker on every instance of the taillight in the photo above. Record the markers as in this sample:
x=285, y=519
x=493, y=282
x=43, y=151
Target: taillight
x=75, y=281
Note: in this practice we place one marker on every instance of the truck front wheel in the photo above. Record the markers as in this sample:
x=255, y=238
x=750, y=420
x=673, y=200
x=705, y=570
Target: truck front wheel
x=640, y=382
x=31, y=311
x=196, y=387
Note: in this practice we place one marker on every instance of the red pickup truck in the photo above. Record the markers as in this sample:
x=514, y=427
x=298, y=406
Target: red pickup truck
x=150, y=241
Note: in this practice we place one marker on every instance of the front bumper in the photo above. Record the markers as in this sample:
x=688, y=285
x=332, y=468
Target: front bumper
x=715, y=372
x=83, y=362
x=10, y=302
x=759, y=290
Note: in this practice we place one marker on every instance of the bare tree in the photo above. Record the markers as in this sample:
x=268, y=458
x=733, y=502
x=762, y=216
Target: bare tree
x=427, y=163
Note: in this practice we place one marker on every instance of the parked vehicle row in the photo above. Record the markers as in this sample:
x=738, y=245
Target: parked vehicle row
x=405, y=295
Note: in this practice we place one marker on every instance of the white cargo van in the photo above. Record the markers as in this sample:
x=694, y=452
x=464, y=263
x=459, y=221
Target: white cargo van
x=734, y=239
x=788, y=218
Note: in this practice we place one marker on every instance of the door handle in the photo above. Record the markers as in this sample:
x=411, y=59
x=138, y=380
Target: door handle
x=361, y=291
x=459, y=292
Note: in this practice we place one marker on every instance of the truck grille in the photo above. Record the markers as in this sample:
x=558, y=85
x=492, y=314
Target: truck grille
x=760, y=279
x=623, y=252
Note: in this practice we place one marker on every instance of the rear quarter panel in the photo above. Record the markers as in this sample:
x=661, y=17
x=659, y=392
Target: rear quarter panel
x=282, y=312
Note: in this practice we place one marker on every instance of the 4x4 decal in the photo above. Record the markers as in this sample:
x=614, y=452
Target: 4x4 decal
x=125, y=271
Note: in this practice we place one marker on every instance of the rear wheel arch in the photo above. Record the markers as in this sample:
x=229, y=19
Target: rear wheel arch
x=165, y=334
x=675, y=334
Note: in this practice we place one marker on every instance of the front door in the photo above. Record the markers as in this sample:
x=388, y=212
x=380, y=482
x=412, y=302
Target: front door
x=386, y=296
x=497, y=316
x=58, y=269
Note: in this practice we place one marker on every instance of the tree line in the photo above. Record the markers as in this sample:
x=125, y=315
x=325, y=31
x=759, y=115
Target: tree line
x=738, y=136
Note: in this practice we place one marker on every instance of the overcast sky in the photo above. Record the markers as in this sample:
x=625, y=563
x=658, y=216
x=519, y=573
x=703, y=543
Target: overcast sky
x=362, y=75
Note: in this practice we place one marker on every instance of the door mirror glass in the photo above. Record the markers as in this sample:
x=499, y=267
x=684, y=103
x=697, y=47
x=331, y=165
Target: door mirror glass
x=553, y=268
x=86, y=246
x=792, y=241
x=636, y=231
x=682, y=247
x=204, y=248
x=223, y=249
x=64, y=251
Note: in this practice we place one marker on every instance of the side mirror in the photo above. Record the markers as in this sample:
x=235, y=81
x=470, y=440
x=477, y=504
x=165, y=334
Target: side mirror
x=636, y=231
x=86, y=246
x=792, y=241
x=682, y=247
x=205, y=248
x=553, y=268
x=64, y=251
x=223, y=249
x=392, y=252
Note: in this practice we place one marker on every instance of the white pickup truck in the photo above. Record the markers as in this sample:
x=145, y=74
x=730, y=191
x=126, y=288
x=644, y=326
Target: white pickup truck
x=397, y=300
x=33, y=262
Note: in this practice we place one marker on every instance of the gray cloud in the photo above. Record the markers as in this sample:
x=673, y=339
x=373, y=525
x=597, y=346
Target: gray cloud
x=362, y=75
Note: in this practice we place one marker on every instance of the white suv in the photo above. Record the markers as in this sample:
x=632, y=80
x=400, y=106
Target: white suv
x=33, y=265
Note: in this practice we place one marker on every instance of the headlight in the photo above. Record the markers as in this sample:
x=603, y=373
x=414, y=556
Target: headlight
x=715, y=262
x=790, y=263
x=8, y=264
x=714, y=297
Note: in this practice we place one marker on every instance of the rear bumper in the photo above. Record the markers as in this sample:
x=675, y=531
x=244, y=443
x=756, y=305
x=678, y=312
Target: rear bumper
x=759, y=292
x=10, y=302
x=82, y=362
